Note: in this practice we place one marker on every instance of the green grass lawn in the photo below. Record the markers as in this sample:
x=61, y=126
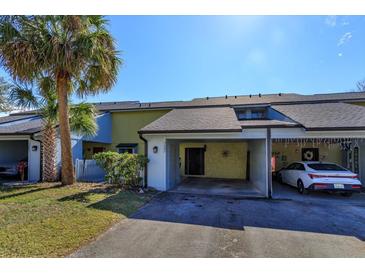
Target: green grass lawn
x=47, y=220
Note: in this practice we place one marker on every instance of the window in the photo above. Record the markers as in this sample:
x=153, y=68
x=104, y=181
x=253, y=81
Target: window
x=299, y=167
x=291, y=166
x=251, y=114
x=127, y=148
x=98, y=150
x=331, y=167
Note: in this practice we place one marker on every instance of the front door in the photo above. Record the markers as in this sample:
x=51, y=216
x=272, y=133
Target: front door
x=194, y=161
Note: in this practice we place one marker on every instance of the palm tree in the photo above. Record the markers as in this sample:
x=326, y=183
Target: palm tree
x=77, y=51
x=42, y=97
x=4, y=104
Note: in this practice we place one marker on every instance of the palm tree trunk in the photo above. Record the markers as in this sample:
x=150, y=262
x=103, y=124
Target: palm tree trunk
x=49, y=170
x=67, y=171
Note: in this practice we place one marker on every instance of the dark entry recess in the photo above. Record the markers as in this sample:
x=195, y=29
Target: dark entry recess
x=248, y=165
x=194, y=161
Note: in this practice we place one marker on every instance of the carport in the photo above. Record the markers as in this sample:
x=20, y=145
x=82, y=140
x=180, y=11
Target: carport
x=18, y=142
x=219, y=167
x=16, y=149
x=11, y=153
x=346, y=149
x=205, y=151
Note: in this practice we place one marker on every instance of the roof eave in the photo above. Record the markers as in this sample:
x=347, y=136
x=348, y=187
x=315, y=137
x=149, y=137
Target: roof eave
x=334, y=128
x=188, y=131
x=272, y=126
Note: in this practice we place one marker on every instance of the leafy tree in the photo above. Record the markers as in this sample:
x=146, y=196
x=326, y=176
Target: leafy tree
x=78, y=52
x=42, y=96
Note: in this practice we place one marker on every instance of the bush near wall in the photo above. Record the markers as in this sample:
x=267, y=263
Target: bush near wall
x=124, y=169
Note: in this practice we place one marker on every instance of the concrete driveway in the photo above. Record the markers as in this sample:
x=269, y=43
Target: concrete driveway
x=183, y=225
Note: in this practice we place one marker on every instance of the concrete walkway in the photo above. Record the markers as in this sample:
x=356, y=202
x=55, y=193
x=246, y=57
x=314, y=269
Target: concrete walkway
x=182, y=225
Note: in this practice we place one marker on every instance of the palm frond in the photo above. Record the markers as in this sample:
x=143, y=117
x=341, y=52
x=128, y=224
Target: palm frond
x=4, y=89
x=23, y=97
x=83, y=119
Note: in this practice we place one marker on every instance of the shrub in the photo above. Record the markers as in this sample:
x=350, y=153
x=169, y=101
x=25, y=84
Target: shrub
x=124, y=169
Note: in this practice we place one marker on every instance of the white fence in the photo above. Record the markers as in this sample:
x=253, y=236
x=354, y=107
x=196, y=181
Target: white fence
x=89, y=171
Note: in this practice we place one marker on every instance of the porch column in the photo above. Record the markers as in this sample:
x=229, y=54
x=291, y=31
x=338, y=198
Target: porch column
x=268, y=162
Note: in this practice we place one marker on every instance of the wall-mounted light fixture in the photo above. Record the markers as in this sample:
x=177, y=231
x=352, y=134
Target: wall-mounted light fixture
x=34, y=148
x=155, y=149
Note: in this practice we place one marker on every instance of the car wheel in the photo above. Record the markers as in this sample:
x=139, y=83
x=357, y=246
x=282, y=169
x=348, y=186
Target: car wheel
x=280, y=179
x=301, y=188
x=346, y=194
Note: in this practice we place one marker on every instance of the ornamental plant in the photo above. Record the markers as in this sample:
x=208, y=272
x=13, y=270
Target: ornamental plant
x=124, y=169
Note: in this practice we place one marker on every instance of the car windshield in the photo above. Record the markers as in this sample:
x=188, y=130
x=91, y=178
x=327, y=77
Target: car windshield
x=331, y=167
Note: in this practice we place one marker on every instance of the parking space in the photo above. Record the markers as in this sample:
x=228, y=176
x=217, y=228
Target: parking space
x=185, y=225
x=284, y=191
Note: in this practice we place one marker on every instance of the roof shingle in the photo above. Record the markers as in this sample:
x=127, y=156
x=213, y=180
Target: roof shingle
x=22, y=126
x=215, y=119
x=330, y=116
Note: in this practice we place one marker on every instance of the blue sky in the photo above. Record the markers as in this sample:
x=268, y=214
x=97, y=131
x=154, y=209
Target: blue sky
x=183, y=57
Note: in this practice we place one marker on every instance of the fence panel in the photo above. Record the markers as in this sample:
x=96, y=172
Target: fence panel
x=89, y=171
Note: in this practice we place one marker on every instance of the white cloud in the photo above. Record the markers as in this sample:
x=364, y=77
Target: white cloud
x=345, y=38
x=340, y=54
x=331, y=21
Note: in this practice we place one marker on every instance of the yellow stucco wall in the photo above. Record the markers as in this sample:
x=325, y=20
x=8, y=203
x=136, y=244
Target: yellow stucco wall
x=293, y=152
x=88, y=148
x=232, y=166
x=125, y=126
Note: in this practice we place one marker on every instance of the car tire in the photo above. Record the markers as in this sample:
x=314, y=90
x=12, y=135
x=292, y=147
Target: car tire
x=280, y=179
x=301, y=188
x=346, y=194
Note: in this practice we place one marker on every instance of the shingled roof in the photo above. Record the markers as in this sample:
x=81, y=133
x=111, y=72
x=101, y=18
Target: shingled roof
x=229, y=101
x=325, y=116
x=12, y=118
x=22, y=125
x=214, y=119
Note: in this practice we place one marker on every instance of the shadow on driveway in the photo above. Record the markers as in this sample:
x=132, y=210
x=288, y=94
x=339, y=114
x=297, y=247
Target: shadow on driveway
x=230, y=213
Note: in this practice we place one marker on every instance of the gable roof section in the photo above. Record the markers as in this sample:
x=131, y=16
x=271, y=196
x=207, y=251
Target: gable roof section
x=23, y=125
x=12, y=118
x=214, y=119
x=325, y=116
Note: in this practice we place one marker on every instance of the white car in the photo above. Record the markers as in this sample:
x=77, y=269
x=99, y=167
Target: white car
x=309, y=175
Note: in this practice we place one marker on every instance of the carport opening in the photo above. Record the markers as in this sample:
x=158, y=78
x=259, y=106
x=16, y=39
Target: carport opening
x=344, y=152
x=12, y=152
x=222, y=167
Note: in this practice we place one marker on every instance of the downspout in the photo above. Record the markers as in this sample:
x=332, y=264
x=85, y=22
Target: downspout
x=146, y=155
